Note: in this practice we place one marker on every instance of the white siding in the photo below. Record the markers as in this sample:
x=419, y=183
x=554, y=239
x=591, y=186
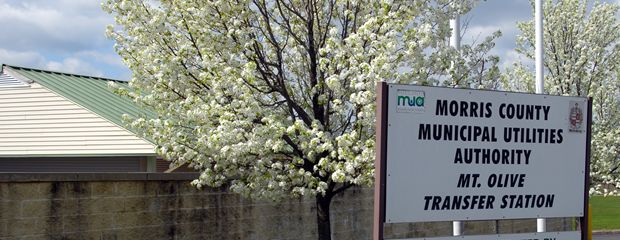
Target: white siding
x=8, y=81
x=37, y=122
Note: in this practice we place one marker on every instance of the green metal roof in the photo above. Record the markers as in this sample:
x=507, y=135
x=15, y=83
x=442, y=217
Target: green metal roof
x=91, y=93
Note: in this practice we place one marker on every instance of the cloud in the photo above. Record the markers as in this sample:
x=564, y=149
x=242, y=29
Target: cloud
x=511, y=57
x=103, y=57
x=490, y=16
x=74, y=65
x=27, y=58
x=89, y=63
x=61, y=35
x=479, y=32
x=52, y=25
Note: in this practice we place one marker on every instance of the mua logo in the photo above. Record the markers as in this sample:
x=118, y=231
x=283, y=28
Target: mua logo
x=409, y=101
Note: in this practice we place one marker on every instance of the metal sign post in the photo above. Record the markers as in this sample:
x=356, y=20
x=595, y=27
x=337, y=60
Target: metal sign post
x=586, y=187
x=380, y=160
x=541, y=223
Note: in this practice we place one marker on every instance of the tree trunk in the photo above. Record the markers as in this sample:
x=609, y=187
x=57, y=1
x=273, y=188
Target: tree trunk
x=322, y=217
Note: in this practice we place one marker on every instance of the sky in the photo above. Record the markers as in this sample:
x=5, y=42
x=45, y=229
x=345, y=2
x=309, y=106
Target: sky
x=69, y=35
x=493, y=15
x=59, y=35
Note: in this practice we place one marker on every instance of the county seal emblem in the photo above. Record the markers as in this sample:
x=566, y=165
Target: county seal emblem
x=575, y=117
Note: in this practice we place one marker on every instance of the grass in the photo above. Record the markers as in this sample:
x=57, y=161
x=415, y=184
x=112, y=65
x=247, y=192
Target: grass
x=605, y=212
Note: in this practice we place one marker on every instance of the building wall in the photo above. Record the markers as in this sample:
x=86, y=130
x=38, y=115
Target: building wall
x=35, y=121
x=166, y=206
x=74, y=164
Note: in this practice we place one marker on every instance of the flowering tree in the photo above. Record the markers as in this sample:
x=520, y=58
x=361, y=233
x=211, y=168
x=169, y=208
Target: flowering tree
x=582, y=51
x=276, y=98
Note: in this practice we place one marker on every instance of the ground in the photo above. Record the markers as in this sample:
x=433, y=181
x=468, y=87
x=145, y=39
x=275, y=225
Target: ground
x=605, y=212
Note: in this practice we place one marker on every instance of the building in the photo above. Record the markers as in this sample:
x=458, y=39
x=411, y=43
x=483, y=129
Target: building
x=59, y=122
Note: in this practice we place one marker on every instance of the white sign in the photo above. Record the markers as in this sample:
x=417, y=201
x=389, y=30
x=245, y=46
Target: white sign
x=460, y=154
x=573, y=235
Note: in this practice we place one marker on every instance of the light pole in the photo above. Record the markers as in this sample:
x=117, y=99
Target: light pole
x=541, y=223
x=455, y=42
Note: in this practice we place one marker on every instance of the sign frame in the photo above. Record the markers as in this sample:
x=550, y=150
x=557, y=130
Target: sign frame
x=382, y=94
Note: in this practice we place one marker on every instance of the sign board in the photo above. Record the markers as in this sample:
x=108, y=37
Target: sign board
x=572, y=235
x=461, y=154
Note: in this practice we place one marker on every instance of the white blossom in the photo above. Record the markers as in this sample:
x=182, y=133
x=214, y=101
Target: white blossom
x=275, y=98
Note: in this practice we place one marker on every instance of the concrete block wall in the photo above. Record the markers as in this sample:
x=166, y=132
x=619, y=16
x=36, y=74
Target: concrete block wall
x=161, y=206
x=166, y=206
